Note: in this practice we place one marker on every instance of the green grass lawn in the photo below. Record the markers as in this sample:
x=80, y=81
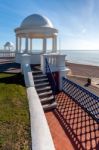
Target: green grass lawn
x=14, y=113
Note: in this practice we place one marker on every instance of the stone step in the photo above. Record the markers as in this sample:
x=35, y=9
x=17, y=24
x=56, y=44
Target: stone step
x=36, y=69
x=48, y=107
x=46, y=88
x=40, y=80
x=47, y=100
x=38, y=85
x=45, y=94
x=37, y=72
x=39, y=76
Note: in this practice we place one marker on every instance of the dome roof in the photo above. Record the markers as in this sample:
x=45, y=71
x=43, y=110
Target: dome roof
x=36, y=26
x=36, y=20
x=8, y=44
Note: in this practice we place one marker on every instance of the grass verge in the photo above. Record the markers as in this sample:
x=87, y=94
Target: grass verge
x=14, y=113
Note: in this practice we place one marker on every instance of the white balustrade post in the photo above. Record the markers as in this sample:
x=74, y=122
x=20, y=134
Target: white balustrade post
x=44, y=45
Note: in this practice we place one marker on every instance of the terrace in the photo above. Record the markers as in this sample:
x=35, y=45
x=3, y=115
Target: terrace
x=72, y=124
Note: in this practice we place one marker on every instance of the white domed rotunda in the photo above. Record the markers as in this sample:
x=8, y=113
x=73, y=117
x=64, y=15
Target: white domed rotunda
x=34, y=27
x=39, y=27
x=8, y=46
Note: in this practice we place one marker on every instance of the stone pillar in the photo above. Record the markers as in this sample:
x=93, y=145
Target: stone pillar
x=19, y=44
x=26, y=45
x=54, y=44
x=16, y=44
x=44, y=45
x=55, y=40
x=30, y=44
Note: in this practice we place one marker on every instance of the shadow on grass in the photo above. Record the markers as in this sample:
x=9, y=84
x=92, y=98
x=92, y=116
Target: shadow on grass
x=11, y=65
x=81, y=129
x=13, y=79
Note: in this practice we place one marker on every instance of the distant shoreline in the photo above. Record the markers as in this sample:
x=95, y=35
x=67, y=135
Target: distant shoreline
x=82, y=63
x=88, y=57
x=83, y=69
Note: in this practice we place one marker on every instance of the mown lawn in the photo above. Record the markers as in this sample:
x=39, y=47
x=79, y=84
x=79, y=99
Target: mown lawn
x=14, y=113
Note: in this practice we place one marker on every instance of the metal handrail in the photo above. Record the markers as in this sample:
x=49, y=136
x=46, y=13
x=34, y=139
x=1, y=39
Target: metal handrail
x=50, y=77
x=87, y=100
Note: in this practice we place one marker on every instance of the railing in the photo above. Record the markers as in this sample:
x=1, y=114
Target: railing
x=87, y=100
x=6, y=54
x=56, y=60
x=50, y=77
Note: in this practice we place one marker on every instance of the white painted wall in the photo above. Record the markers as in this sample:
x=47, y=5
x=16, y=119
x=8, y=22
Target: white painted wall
x=33, y=58
x=28, y=77
x=40, y=133
x=41, y=137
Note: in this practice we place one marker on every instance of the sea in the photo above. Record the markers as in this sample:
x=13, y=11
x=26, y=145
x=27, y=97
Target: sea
x=88, y=57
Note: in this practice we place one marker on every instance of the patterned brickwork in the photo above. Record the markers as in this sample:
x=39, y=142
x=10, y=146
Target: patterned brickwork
x=71, y=127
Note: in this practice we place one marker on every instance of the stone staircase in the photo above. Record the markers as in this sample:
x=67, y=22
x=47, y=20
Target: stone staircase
x=43, y=89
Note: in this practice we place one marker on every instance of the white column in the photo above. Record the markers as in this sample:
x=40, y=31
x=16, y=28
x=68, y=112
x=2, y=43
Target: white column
x=44, y=45
x=16, y=44
x=54, y=44
x=55, y=38
x=19, y=44
x=26, y=45
x=30, y=44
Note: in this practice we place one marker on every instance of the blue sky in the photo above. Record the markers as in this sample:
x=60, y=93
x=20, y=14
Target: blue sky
x=77, y=20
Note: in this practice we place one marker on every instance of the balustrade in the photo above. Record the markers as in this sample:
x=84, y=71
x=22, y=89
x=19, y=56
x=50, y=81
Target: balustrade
x=87, y=100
